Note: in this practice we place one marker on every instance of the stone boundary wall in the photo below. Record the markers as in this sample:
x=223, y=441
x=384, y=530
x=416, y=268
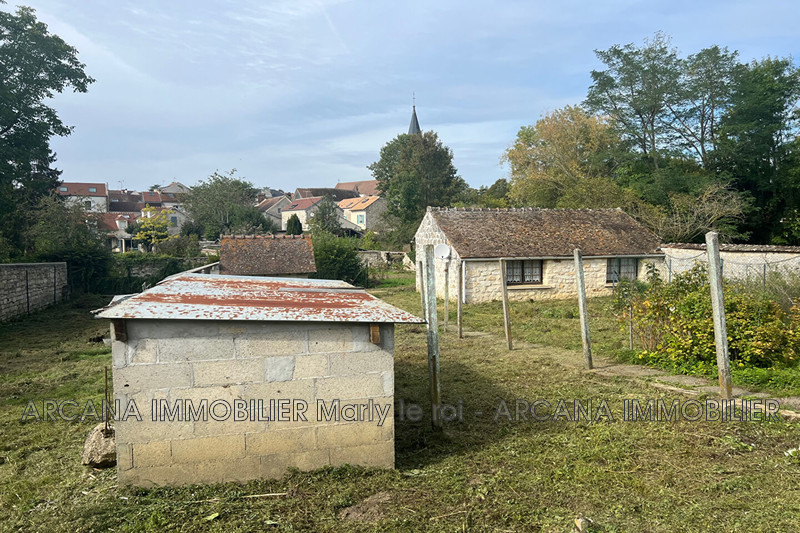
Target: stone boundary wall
x=385, y=259
x=28, y=287
x=175, y=360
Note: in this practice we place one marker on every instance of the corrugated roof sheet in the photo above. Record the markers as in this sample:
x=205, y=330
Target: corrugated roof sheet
x=533, y=232
x=211, y=297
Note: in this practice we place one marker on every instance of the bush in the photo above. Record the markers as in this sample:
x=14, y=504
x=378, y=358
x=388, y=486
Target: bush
x=337, y=258
x=673, y=322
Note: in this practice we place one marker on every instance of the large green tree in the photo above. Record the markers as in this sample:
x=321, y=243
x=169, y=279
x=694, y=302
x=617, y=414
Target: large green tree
x=223, y=203
x=635, y=89
x=34, y=66
x=414, y=172
x=758, y=146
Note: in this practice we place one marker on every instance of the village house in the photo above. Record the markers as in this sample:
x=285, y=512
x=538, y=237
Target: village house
x=92, y=197
x=305, y=208
x=537, y=247
x=267, y=255
x=365, y=212
x=238, y=378
x=272, y=208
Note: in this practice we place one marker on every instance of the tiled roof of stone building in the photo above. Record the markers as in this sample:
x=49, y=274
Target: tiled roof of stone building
x=533, y=232
x=255, y=255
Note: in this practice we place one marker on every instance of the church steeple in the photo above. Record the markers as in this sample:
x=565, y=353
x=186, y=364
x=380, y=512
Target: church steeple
x=413, y=128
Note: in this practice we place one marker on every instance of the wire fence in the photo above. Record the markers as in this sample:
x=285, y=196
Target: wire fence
x=777, y=275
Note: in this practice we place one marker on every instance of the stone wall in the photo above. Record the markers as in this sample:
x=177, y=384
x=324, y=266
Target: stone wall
x=300, y=363
x=28, y=287
x=385, y=259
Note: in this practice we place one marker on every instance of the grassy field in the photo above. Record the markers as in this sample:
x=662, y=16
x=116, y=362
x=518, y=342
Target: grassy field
x=478, y=475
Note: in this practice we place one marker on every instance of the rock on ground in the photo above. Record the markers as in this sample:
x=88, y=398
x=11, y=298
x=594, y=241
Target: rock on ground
x=99, y=451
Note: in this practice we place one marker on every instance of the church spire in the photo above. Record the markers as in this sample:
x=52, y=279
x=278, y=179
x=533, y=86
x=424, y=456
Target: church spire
x=413, y=128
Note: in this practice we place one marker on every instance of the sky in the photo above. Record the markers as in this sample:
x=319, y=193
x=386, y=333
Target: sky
x=296, y=93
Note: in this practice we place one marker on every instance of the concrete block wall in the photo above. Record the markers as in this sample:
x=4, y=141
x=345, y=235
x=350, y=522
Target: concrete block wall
x=230, y=362
x=28, y=287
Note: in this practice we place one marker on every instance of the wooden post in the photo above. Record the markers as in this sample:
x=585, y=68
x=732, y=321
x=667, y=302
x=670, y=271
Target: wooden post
x=506, y=311
x=630, y=326
x=446, y=293
x=460, y=292
x=587, y=343
x=433, y=336
x=718, y=306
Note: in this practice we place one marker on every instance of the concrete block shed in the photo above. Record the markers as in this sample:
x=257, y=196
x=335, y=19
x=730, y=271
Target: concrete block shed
x=232, y=378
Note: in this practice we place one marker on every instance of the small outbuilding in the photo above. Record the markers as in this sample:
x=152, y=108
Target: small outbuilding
x=232, y=378
x=537, y=246
x=290, y=256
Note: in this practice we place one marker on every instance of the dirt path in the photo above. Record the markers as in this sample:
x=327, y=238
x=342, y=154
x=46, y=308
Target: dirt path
x=687, y=385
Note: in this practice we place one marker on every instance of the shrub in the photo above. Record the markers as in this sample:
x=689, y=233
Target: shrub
x=673, y=323
x=337, y=258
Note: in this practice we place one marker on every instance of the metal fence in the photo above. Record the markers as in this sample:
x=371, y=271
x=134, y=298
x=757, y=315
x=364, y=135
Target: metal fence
x=777, y=276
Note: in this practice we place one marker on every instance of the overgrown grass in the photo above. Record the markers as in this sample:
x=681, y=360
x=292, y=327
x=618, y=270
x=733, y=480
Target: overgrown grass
x=478, y=475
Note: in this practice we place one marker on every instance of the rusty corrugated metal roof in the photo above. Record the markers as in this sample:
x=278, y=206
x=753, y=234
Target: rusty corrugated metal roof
x=211, y=297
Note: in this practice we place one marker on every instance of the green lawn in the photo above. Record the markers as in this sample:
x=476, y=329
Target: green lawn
x=478, y=475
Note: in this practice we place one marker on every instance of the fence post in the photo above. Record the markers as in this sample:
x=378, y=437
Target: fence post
x=630, y=326
x=764, y=277
x=446, y=293
x=459, y=311
x=421, y=276
x=669, y=271
x=506, y=310
x=587, y=344
x=718, y=306
x=433, y=336
x=27, y=293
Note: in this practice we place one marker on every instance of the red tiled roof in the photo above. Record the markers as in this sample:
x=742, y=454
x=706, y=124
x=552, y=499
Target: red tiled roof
x=358, y=204
x=269, y=202
x=303, y=204
x=82, y=189
x=366, y=188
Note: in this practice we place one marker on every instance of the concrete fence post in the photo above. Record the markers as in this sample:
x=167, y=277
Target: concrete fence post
x=718, y=307
x=587, y=343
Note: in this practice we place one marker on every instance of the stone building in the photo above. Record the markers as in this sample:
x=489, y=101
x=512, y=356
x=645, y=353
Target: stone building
x=537, y=246
x=267, y=255
x=234, y=378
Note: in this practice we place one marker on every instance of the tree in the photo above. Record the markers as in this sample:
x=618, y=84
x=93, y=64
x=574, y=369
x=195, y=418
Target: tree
x=758, y=145
x=337, y=258
x=293, y=225
x=224, y=203
x=635, y=90
x=61, y=232
x=414, y=172
x=326, y=218
x=550, y=159
x=704, y=93
x=34, y=65
x=153, y=228
x=689, y=217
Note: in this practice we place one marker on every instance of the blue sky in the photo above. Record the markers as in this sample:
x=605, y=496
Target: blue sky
x=305, y=93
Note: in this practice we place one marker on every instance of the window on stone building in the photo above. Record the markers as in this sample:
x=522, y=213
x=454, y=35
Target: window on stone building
x=620, y=268
x=524, y=272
